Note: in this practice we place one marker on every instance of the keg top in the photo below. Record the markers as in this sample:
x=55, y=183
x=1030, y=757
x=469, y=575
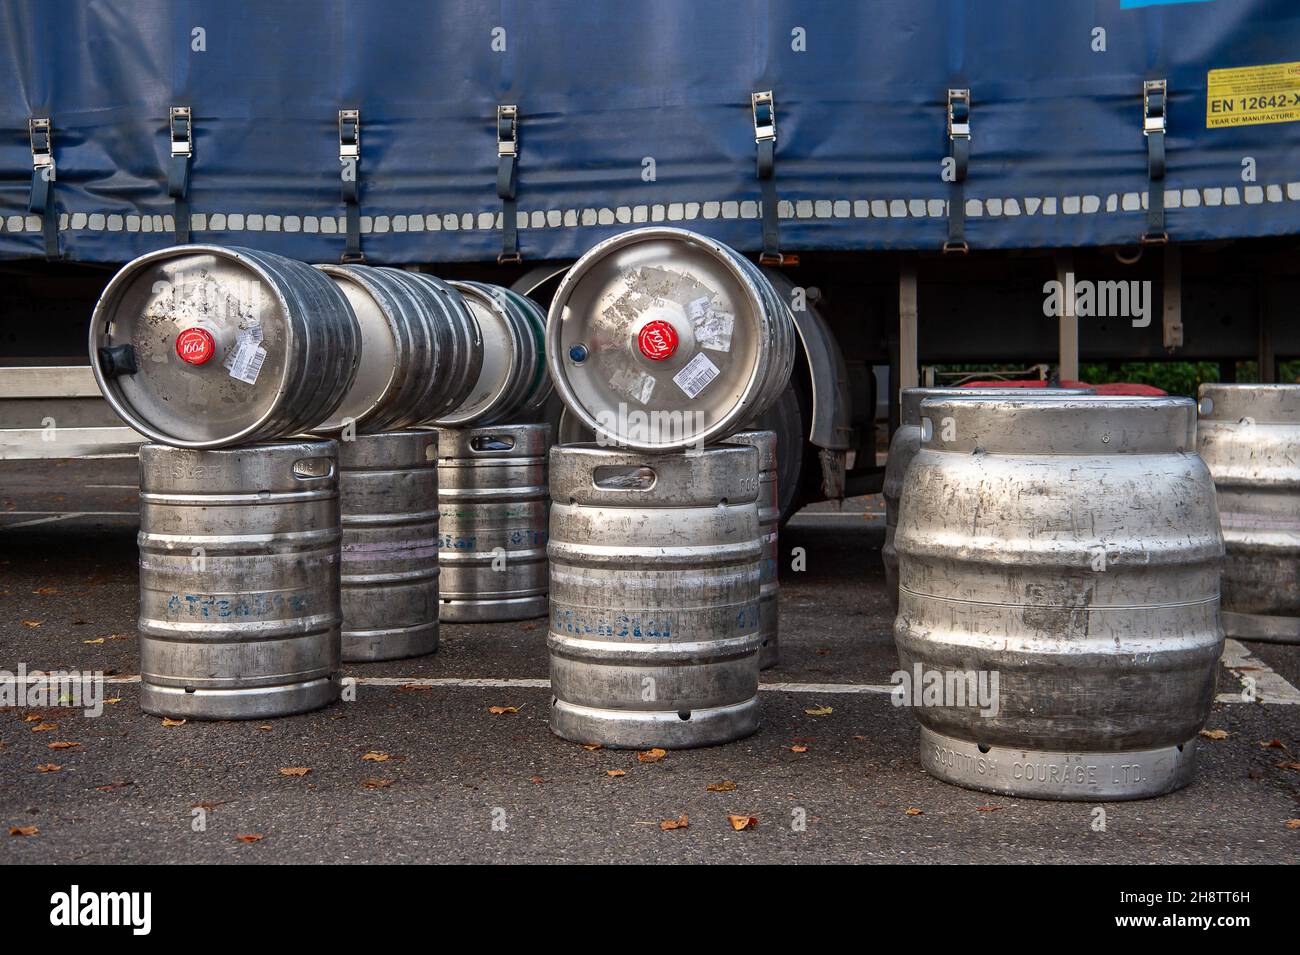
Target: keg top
x=267, y=466
x=494, y=441
x=763, y=441
x=1263, y=404
x=659, y=321
x=607, y=477
x=1097, y=424
x=910, y=411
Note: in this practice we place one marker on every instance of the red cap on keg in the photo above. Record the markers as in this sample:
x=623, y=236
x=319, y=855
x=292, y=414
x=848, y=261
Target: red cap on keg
x=195, y=346
x=657, y=340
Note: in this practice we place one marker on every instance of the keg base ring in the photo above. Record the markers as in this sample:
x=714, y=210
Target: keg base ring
x=1261, y=627
x=1089, y=777
x=452, y=610
x=258, y=703
x=371, y=646
x=639, y=729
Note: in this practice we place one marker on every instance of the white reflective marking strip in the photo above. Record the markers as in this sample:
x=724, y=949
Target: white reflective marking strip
x=1270, y=687
x=74, y=513
x=42, y=520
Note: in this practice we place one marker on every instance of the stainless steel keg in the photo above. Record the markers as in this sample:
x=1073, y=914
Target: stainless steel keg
x=661, y=339
x=493, y=501
x=239, y=580
x=907, y=441
x=769, y=521
x=656, y=574
x=202, y=346
x=1249, y=436
x=388, y=493
x=1058, y=621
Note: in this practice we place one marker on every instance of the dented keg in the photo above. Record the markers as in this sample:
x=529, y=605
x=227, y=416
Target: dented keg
x=1249, y=436
x=1059, y=564
x=239, y=580
x=907, y=441
x=201, y=346
x=660, y=339
x=388, y=494
x=656, y=574
x=769, y=521
x=493, y=501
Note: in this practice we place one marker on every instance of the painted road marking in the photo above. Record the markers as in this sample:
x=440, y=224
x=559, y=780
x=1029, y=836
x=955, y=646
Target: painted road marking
x=41, y=520
x=1265, y=685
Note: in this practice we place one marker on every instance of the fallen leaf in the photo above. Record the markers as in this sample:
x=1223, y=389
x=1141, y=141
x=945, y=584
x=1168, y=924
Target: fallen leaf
x=536, y=780
x=1273, y=744
x=591, y=747
x=31, y=623
x=23, y=830
x=375, y=782
x=1293, y=823
x=209, y=806
x=741, y=823
x=988, y=808
x=266, y=727
x=913, y=811
x=48, y=767
x=294, y=770
x=413, y=688
x=652, y=755
x=726, y=786
x=250, y=838
x=822, y=651
x=681, y=822
x=96, y=640
x=34, y=718
x=109, y=787
x=118, y=636
x=375, y=757
x=498, y=710
x=798, y=749
x=820, y=711
x=44, y=727
x=63, y=744
x=1289, y=764
x=615, y=772
x=1215, y=734
x=116, y=699
x=170, y=722
x=46, y=591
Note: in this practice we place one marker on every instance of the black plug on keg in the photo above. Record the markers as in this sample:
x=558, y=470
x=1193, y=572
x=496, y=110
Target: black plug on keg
x=118, y=360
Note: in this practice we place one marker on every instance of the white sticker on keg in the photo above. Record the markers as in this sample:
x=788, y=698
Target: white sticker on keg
x=713, y=326
x=252, y=333
x=246, y=363
x=635, y=384
x=696, y=375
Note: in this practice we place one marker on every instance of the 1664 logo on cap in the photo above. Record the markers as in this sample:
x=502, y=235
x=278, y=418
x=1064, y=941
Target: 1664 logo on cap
x=657, y=340
x=195, y=346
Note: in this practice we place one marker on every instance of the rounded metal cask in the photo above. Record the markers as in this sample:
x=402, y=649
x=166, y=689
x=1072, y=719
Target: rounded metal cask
x=388, y=496
x=202, y=346
x=239, y=580
x=656, y=573
x=1058, y=622
x=493, y=500
x=907, y=441
x=769, y=522
x=1249, y=437
x=662, y=339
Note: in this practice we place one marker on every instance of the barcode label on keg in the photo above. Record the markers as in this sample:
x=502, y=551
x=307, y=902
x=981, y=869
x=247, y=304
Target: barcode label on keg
x=713, y=326
x=696, y=375
x=246, y=363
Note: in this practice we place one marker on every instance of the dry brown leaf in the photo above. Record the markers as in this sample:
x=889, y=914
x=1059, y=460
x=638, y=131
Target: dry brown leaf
x=250, y=838
x=375, y=757
x=798, y=749
x=48, y=767
x=652, y=755
x=23, y=830
x=726, y=786
x=1215, y=734
x=31, y=623
x=266, y=727
x=63, y=744
x=1272, y=744
x=34, y=718
x=44, y=727
x=294, y=770
x=498, y=710
x=109, y=787
x=376, y=782
x=988, y=808
x=820, y=711
x=741, y=823
x=536, y=780
x=46, y=591
x=209, y=806
x=1293, y=823
x=681, y=822
x=95, y=641
x=1288, y=764
x=171, y=722
x=116, y=699
x=913, y=811
x=615, y=773
x=592, y=747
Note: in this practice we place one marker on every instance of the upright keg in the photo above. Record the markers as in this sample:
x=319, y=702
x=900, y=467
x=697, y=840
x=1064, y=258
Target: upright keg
x=239, y=580
x=388, y=493
x=493, y=500
x=656, y=574
x=1249, y=436
x=769, y=522
x=659, y=339
x=907, y=441
x=201, y=346
x=1059, y=564
x=422, y=349
x=512, y=382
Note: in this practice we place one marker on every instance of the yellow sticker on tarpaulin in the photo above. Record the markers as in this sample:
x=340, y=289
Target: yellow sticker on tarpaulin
x=1252, y=95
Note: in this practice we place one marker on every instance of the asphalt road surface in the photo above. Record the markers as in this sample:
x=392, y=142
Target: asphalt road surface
x=463, y=785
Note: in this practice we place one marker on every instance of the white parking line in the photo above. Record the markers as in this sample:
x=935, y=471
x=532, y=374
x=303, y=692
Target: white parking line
x=1259, y=682
x=63, y=516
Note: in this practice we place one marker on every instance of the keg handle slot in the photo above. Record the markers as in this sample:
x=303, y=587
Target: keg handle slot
x=486, y=443
x=624, y=477
x=311, y=469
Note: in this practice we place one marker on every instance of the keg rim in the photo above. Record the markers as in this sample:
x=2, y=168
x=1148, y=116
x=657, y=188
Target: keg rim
x=505, y=396
x=910, y=398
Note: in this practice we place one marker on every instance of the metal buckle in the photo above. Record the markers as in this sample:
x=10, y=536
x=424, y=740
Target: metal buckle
x=1153, y=116
x=772, y=258
x=349, y=134
x=764, y=110
x=1155, y=238
x=38, y=130
x=509, y=258
x=181, y=132
x=507, y=131
x=959, y=114
x=956, y=248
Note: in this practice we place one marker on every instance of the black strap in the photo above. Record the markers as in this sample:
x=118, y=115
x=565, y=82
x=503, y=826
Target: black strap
x=766, y=164
x=350, y=134
x=42, y=201
x=1156, y=234
x=959, y=151
x=507, y=187
x=178, y=180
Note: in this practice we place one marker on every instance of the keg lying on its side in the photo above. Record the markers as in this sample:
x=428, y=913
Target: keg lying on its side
x=1249, y=436
x=769, y=521
x=1059, y=566
x=656, y=570
x=492, y=497
x=201, y=346
x=907, y=441
x=239, y=580
x=388, y=494
x=660, y=339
